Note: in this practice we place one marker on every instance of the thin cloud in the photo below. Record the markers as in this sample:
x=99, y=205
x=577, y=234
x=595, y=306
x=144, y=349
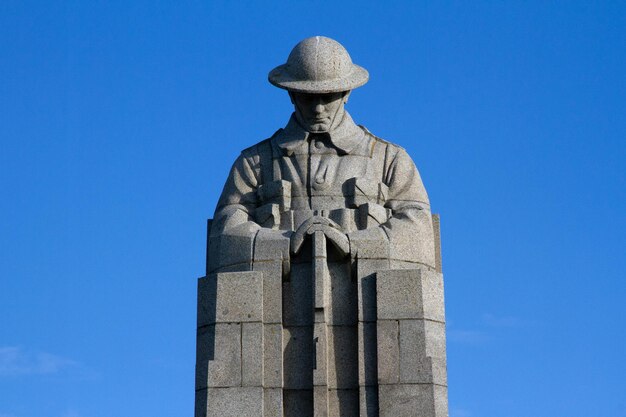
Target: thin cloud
x=459, y=412
x=16, y=361
x=470, y=337
x=489, y=327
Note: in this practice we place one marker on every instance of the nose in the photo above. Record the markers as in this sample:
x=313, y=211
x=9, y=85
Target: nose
x=319, y=108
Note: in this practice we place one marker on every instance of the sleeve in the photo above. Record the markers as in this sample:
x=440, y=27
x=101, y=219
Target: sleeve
x=235, y=238
x=407, y=235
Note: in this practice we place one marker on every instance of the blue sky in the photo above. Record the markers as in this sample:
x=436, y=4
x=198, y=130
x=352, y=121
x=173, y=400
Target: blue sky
x=118, y=124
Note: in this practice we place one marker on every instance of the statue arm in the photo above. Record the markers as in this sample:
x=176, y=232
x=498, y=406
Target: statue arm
x=407, y=235
x=235, y=236
x=238, y=199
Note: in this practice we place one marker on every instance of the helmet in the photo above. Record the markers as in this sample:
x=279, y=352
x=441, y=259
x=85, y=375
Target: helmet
x=318, y=65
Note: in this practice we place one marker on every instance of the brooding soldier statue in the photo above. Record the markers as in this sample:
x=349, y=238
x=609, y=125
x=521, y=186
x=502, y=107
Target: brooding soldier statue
x=330, y=228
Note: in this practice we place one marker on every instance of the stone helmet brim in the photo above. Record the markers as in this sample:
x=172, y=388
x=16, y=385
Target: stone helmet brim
x=318, y=65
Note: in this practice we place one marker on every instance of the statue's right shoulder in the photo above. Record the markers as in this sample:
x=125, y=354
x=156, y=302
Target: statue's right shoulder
x=259, y=154
x=260, y=149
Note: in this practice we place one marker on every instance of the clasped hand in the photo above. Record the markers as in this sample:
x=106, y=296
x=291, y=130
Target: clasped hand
x=331, y=230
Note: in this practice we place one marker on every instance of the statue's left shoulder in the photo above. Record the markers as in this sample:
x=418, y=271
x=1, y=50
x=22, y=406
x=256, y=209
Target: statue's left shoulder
x=383, y=148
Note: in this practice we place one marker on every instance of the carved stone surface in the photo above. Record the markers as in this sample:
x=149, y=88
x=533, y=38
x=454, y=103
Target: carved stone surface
x=324, y=293
x=234, y=402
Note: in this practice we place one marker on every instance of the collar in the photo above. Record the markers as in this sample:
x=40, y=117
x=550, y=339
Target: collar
x=345, y=137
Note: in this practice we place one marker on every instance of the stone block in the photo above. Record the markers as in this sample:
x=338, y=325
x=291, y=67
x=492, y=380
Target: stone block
x=424, y=371
x=273, y=402
x=321, y=276
x=271, y=245
x=432, y=293
x=298, y=296
x=326, y=200
x=422, y=352
x=252, y=354
x=367, y=292
x=207, y=289
x=320, y=344
x=302, y=215
x=369, y=244
x=343, y=403
x=372, y=215
x=343, y=367
x=235, y=402
x=268, y=216
x=368, y=355
x=368, y=401
x=298, y=357
x=440, y=394
x=345, y=218
x=219, y=356
x=230, y=248
x=286, y=220
x=368, y=266
x=272, y=356
x=409, y=400
x=298, y=403
x=276, y=192
x=244, y=266
x=388, y=351
x=361, y=191
x=320, y=402
x=439, y=371
x=343, y=301
x=272, y=289
x=201, y=402
x=410, y=294
x=209, y=222
x=437, y=238
x=230, y=297
x=319, y=244
x=412, y=241
x=396, y=264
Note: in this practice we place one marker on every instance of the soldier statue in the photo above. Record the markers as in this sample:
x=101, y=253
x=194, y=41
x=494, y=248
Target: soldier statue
x=318, y=211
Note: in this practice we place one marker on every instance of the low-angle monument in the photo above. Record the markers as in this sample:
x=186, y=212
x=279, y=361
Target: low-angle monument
x=323, y=293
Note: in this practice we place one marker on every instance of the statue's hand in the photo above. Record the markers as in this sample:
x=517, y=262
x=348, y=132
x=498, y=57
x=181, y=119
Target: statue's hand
x=331, y=230
x=297, y=239
x=336, y=236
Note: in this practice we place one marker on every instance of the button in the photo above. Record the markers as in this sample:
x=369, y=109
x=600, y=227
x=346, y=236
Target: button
x=319, y=180
x=319, y=144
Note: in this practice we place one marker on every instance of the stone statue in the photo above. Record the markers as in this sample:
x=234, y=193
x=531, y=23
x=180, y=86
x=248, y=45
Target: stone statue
x=290, y=325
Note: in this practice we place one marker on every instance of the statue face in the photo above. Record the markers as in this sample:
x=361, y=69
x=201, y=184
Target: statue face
x=319, y=113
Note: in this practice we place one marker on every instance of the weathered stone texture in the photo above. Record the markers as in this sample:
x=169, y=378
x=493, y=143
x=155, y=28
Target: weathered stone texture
x=221, y=366
x=413, y=400
x=342, y=357
x=273, y=402
x=298, y=358
x=410, y=294
x=388, y=352
x=272, y=289
x=252, y=354
x=324, y=294
x=411, y=343
x=235, y=402
x=230, y=297
x=273, y=356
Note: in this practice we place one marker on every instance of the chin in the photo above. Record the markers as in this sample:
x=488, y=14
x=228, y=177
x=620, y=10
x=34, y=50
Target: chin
x=318, y=128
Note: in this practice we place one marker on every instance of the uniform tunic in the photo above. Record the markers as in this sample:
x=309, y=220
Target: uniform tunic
x=369, y=186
